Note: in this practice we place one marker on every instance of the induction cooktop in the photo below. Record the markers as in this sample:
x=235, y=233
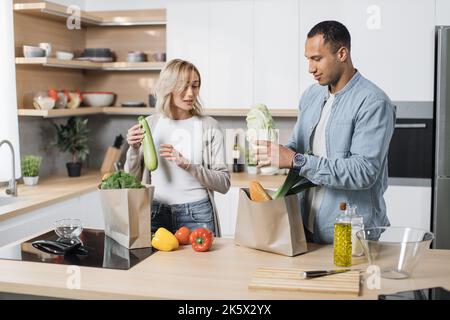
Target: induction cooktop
x=102, y=252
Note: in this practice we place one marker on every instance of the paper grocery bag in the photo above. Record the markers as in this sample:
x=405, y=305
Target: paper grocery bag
x=127, y=214
x=274, y=226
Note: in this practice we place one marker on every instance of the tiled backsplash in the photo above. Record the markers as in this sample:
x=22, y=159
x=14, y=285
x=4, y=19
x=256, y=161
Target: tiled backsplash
x=37, y=136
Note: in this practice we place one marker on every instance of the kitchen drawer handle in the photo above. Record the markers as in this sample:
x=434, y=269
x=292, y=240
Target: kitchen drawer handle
x=410, y=125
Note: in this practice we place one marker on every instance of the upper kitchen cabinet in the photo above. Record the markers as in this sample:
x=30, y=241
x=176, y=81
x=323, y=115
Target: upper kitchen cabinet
x=217, y=36
x=442, y=12
x=231, y=60
x=276, y=53
x=188, y=37
x=392, y=42
x=246, y=51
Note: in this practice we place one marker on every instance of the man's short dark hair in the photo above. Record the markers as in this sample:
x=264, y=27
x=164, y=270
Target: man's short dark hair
x=333, y=32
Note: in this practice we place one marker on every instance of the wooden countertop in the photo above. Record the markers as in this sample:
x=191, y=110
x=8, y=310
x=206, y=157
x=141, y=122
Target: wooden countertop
x=222, y=273
x=59, y=188
x=48, y=191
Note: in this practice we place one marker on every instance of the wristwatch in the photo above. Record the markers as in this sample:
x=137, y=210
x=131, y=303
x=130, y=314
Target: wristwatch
x=298, y=161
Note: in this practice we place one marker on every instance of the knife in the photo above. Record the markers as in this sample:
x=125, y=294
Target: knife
x=321, y=273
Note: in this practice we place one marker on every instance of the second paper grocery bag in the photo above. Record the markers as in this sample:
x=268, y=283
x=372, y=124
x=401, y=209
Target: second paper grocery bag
x=274, y=226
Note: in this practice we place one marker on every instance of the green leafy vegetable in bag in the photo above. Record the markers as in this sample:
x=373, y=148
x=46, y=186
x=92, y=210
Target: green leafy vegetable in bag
x=121, y=180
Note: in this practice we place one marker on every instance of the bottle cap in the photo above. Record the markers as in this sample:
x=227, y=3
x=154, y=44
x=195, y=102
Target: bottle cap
x=342, y=206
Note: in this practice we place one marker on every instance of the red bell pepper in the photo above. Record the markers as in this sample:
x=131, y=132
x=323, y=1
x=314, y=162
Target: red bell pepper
x=201, y=239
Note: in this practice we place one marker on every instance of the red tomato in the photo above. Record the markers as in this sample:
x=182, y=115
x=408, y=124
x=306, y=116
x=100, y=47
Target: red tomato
x=183, y=235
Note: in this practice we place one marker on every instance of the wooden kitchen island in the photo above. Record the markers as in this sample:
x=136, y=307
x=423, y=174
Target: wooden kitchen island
x=222, y=273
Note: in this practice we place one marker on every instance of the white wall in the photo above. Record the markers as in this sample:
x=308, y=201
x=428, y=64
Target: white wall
x=9, y=123
x=442, y=12
x=109, y=5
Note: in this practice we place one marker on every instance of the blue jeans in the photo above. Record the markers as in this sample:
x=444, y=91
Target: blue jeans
x=198, y=214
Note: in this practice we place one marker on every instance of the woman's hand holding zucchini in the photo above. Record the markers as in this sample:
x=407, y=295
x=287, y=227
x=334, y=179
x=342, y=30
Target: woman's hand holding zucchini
x=135, y=135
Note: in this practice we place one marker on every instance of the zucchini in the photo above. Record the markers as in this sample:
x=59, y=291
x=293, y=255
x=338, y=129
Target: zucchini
x=150, y=157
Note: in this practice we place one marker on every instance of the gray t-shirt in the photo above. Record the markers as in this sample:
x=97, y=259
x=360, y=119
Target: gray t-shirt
x=319, y=148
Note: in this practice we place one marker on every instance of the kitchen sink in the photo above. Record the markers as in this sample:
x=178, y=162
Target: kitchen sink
x=4, y=200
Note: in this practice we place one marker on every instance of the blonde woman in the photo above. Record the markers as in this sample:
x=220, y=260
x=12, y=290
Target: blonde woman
x=191, y=153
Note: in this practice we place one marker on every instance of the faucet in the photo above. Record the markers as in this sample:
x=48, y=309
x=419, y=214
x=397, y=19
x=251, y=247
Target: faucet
x=12, y=187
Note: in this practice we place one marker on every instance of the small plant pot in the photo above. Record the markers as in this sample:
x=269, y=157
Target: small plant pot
x=30, y=181
x=73, y=169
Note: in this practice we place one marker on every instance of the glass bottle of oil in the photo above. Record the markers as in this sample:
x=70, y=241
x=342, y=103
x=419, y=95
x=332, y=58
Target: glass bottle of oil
x=343, y=237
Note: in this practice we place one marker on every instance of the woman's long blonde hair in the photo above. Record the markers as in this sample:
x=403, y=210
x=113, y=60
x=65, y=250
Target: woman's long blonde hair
x=174, y=77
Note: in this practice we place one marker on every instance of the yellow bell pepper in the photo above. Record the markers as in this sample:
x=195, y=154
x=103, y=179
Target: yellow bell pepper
x=164, y=240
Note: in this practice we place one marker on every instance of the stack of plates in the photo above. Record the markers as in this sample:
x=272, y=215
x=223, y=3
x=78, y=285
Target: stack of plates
x=136, y=56
x=97, y=55
x=133, y=104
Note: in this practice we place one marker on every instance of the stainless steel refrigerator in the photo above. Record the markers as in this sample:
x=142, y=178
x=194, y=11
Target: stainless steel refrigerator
x=441, y=180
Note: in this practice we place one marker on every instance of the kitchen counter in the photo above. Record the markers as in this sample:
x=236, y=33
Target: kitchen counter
x=59, y=188
x=222, y=273
x=47, y=192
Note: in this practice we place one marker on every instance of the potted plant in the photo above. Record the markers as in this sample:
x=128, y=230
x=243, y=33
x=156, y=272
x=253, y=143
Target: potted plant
x=250, y=162
x=30, y=169
x=73, y=137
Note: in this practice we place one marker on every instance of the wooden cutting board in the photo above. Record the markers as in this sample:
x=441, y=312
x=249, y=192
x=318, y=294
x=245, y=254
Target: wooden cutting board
x=289, y=279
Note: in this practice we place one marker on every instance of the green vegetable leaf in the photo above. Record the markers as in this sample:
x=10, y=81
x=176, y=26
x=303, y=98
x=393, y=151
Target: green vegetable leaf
x=121, y=180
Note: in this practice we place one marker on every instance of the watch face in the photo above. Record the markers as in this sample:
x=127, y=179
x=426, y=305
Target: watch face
x=299, y=160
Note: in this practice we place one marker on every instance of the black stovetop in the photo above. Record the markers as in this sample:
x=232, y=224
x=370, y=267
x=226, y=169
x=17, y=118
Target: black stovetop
x=103, y=252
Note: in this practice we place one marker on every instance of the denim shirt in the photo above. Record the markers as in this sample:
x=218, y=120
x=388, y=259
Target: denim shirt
x=357, y=135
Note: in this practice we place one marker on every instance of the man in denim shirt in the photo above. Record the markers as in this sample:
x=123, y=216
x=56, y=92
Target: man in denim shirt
x=341, y=139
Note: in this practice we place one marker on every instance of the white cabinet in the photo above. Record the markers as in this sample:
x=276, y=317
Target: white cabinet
x=217, y=36
x=9, y=123
x=188, y=35
x=247, y=51
x=409, y=206
x=227, y=205
x=392, y=42
x=276, y=53
x=86, y=207
x=231, y=54
x=442, y=12
x=91, y=210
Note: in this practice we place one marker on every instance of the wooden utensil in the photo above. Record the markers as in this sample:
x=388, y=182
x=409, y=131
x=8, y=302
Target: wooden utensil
x=291, y=279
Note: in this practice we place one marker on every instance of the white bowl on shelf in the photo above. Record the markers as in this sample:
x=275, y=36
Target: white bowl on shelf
x=62, y=55
x=33, y=52
x=98, y=99
x=42, y=101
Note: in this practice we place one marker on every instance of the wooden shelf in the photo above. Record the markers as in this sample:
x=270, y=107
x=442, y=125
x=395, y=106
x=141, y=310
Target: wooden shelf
x=49, y=10
x=243, y=112
x=58, y=113
x=129, y=111
x=88, y=65
x=55, y=113
x=207, y=111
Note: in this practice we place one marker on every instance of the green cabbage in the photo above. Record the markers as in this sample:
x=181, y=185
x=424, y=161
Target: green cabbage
x=260, y=124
